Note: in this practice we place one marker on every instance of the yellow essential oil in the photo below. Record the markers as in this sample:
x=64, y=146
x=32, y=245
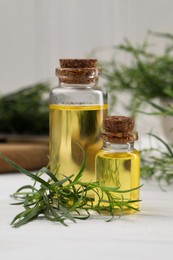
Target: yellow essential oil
x=73, y=127
x=118, y=162
x=120, y=169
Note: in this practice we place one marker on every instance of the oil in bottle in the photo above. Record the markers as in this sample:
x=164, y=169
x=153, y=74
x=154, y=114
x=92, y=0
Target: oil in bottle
x=74, y=128
x=118, y=162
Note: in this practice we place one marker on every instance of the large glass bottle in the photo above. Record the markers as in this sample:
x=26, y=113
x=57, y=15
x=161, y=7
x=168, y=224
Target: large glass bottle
x=77, y=109
x=118, y=162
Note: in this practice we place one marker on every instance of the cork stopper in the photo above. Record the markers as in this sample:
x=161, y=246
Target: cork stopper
x=119, y=124
x=78, y=71
x=119, y=129
x=78, y=63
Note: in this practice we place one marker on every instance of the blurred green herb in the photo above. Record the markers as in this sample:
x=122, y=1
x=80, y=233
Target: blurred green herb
x=146, y=77
x=65, y=199
x=159, y=110
x=25, y=111
x=157, y=162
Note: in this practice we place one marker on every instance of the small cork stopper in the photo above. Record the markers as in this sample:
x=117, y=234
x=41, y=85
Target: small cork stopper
x=119, y=130
x=116, y=124
x=78, y=71
x=78, y=63
x=119, y=138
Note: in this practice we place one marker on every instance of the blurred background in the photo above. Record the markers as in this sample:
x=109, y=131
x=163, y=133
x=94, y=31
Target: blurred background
x=35, y=34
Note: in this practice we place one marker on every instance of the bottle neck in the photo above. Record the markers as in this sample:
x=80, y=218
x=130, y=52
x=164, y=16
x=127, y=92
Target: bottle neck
x=78, y=86
x=111, y=147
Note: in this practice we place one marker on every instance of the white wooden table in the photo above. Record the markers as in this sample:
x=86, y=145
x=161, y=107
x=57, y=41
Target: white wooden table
x=146, y=235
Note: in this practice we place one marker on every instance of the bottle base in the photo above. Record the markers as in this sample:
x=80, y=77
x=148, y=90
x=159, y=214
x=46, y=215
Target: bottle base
x=119, y=212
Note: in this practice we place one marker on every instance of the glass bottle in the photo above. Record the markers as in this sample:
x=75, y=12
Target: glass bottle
x=118, y=162
x=77, y=109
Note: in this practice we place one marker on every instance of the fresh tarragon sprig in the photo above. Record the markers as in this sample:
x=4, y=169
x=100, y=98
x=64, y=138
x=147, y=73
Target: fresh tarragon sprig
x=158, y=162
x=65, y=199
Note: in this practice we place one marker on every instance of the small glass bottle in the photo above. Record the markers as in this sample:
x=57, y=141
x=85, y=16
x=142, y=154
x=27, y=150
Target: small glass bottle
x=118, y=162
x=77, y=109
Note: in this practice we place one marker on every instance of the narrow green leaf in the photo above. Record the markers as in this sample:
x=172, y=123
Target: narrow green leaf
x=79, y=175
x=27, y=187
x=163, y=142
x=30, y=214
x=59, y=183
x=50, y=174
